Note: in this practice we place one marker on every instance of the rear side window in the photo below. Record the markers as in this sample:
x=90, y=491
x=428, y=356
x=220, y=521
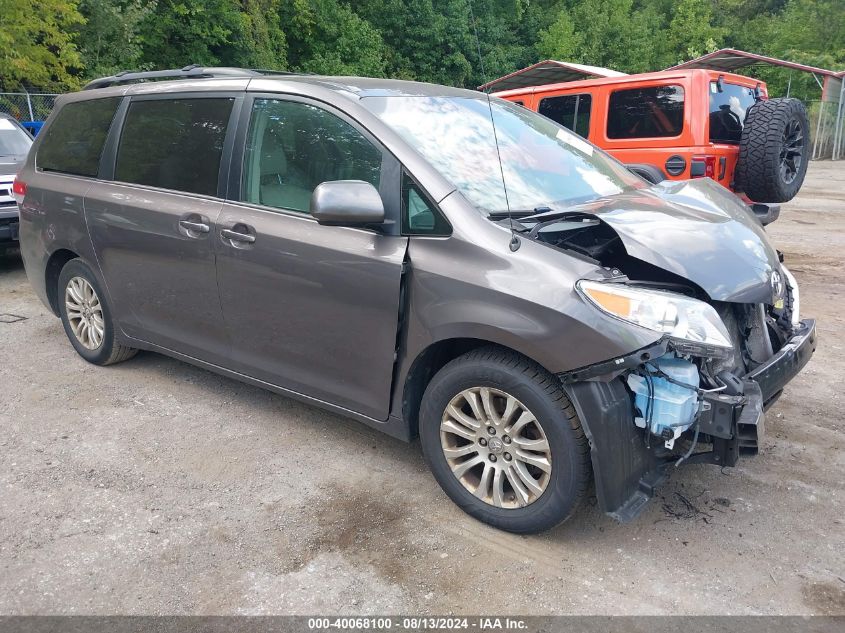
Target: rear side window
x=570, y=111
x=74, y=141
x=727, y=111
x=174, y=143
x=657, y=111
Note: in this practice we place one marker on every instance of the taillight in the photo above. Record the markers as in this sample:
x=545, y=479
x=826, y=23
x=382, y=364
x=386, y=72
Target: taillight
x=19, y=190
x=703, y=167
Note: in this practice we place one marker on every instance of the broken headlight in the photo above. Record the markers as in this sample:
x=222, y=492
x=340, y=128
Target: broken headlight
x=693, y=325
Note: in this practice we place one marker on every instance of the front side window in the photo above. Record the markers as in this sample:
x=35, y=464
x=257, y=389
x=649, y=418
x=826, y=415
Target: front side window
x=501, y=156
x=74, y=141
x=652, y=112
x=419, y=215
x=292, y=147
x=571, y=111
x=727, y=111
x=174, y=143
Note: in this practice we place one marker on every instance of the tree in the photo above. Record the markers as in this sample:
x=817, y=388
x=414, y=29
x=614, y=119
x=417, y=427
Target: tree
x=691, y=31
x=337, y=41
x=612, y=33
x=561, y=40
x=261, y=42
x=182, y=32
x=37, y=44
x=109, y=39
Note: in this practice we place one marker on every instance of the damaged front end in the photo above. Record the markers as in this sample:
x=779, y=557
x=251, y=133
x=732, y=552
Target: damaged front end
x=650, y=411
x=708, y=283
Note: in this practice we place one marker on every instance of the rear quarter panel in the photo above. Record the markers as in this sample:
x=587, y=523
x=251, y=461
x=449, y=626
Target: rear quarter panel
x=52, y=216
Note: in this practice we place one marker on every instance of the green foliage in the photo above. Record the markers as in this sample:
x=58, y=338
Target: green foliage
x=336, y=42
x=109, y=40
x=260, y=41
x=37, y=44
x=181, y=32
x=691, y=31
x=57, y=43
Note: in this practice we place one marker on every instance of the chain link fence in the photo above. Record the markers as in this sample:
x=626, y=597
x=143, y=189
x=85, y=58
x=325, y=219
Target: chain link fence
x=827, y=128
x=827, y=121
x=26, y=106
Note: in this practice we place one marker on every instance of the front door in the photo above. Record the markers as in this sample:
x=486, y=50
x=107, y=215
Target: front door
x=153, y=227
x=310, y=308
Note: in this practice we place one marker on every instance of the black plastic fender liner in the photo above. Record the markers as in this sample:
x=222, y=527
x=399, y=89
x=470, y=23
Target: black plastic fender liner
x=626, y=471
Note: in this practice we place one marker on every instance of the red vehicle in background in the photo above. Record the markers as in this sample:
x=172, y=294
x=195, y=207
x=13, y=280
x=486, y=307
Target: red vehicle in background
x=681, y=124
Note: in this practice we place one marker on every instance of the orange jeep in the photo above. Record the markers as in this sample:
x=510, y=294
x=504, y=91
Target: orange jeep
x=681, y=124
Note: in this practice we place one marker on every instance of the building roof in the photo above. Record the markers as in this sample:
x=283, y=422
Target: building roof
x=549, y=71
x=730, y=59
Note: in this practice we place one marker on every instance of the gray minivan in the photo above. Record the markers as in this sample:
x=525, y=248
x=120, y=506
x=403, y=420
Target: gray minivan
x=428, y=260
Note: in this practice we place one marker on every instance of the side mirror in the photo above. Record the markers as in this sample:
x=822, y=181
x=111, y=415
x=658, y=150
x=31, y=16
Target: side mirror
x=347, y=203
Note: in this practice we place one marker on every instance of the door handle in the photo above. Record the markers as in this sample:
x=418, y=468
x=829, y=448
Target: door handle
x=237, y=237
x=196, y=227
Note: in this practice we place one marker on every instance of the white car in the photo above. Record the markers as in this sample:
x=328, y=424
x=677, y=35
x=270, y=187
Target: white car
x=15, y=142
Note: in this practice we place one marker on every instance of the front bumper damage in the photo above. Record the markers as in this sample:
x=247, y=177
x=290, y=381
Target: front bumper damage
x=627, y=466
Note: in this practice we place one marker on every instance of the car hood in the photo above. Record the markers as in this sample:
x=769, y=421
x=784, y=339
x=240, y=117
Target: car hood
x=696, y=229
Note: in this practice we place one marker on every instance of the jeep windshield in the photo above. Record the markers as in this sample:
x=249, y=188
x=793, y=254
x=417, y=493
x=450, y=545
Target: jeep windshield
x=537, y=163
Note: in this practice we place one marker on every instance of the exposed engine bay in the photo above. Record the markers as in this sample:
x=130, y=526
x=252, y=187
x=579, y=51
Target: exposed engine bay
x=674, y=402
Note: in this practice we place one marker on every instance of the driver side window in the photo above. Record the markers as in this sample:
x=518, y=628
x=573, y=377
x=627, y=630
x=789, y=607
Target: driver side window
x=293, y=147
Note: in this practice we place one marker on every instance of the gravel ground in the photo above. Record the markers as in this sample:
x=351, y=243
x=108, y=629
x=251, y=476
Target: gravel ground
x=153, y=487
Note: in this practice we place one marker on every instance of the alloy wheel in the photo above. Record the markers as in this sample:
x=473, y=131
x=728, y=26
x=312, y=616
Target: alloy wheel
x=84, y=313
x=792, y=151
x=495, y=447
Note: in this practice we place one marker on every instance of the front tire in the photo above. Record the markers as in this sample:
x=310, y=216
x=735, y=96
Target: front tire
x=86, y=316
x=504, y=442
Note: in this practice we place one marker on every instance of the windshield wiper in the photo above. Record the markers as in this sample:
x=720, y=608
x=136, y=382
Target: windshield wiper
x=517, y=213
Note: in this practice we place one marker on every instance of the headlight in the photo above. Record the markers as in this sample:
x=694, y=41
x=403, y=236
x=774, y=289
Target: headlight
x=683, y=319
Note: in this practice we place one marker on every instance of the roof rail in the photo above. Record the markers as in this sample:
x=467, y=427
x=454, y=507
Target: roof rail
x=193, y=71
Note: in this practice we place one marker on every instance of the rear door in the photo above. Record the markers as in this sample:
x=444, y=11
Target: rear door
x=310, y=308
x=153, y=226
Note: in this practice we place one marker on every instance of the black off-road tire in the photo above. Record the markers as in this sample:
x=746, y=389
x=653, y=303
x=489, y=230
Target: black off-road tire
x=768, y=139
x=542, y=394
x=109, y=351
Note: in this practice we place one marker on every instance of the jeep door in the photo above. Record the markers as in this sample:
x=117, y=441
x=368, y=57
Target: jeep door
x=308, y=307
x=154, y=224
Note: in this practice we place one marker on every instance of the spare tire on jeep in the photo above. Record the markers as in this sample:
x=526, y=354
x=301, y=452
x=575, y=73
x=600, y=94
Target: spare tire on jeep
x=773, y=150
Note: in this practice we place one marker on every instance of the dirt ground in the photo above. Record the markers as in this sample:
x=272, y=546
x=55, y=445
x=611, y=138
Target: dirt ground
x=153, y=487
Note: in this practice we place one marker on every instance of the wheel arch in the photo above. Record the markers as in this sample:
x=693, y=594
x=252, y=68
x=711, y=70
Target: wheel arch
x=55, y=263
x=428, y=362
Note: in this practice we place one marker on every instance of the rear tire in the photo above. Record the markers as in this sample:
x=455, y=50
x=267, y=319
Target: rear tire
x=546, y=459
x=86, y=316
x=773, y=150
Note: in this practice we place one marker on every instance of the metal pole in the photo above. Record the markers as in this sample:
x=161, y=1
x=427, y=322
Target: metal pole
x=29, y=105
x=789, y=85
x=837, y=134
x=818, y=129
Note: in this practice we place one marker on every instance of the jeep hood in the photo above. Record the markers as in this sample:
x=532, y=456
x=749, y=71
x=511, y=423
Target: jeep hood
x=696, y=229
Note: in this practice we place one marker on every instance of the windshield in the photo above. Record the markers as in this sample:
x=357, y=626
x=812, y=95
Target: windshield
x=542, y=163
x=13, y=140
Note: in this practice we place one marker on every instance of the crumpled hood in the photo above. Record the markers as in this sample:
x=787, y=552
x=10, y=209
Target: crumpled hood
x=696, y=229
